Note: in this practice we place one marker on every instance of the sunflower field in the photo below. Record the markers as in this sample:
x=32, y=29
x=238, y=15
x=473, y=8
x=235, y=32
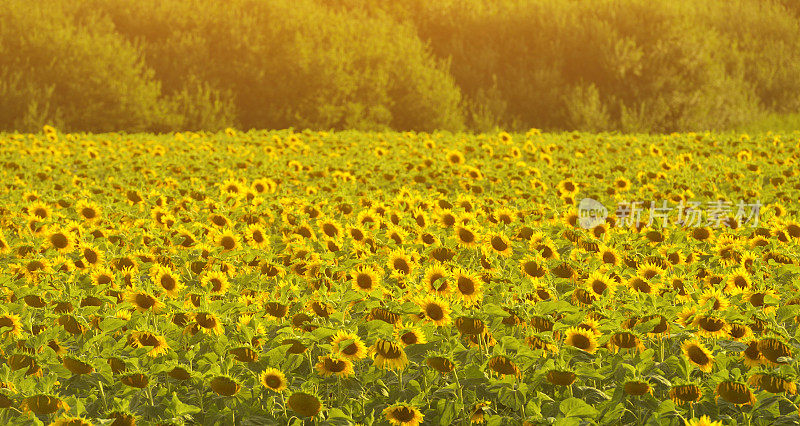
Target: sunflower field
x=283, y=277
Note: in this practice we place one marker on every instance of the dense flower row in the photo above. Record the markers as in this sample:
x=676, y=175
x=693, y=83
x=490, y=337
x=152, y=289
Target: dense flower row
x=408, y=278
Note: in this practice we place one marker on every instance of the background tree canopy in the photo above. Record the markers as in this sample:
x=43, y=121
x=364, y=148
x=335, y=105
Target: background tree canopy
x=629, y=65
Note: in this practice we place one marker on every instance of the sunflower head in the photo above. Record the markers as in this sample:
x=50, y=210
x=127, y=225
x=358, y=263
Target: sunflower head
x=304, y=404
x=273, y=379
x=389, y=355
x=403, y=415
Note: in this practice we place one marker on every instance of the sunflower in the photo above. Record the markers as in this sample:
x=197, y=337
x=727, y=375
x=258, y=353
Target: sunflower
x=773, y=383
x=225, y=386
x=144, y=301
x=231, y=187
x=244, y=354
x=388, y=355
x=637, y=388
x=503, y=366
x=714, y=299
x=400, y=263
x=599, y=284
x=122, y=418
x=166, y=280
x=740, y=332
x=102, y=276
x=772, y=350
x=498, y=243
x=468, y=285
x=609, y=255
x=642, y=285
x=366, y=278
x=533, y=266
x=19, y=361
x=436, y=280
x=698, y=355
x=648, y=271
x=455, y=157
x=10, y=325
x=71, y=324
x=61, y=240
x=157, y=344
x=466, y=236
x=216, y=281
x=685, y=394
x=703, y=421
x=348, y=346
x=333, y=366
x=71, y=421
x=536, y=342
x=384, y=315
x=256, y=236
x=88, y=211
x=758, y=299
x=76, y=366
x=581, y=339
x=440, y=364
x=738, y=281
x=446, y=218
x=625, y=340
x=273, y=379
x=396, y=234
x=219, y=220
x=561, y=377
x=40, y=210
x=403, y=415
x=321, y=309
x=477, y=412
x=567, y=187
x=91, y=256
x=436, y=310
x=702, y=233
x=227, y=240
x=409, y=335
x=304, y=405
x=135, y=380
x=710, y=326
x=264, y=185
x=751, y=355
x=735, y=393
x=209, y=323
x=43, y=404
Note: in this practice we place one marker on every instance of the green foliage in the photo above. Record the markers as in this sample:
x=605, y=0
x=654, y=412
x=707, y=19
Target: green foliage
x=287, y=63
x=79, y=75
x=634, y=65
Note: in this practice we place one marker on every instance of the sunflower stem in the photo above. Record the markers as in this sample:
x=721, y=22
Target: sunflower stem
x=458, y=384
x=150, y=395
x=102, y=394
x=400, y=379
x=338, y=391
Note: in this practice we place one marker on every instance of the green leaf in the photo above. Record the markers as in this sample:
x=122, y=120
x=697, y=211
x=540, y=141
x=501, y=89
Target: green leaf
x=574, y=407
x=447, y=412
x=111, y=324
x=180, y=408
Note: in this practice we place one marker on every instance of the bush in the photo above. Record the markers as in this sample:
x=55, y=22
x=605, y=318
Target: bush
x=630, y=65
x=294, y=63
x=79, y=75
